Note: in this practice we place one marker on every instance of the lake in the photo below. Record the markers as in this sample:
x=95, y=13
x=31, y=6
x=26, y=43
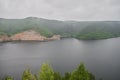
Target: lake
x=101, y=57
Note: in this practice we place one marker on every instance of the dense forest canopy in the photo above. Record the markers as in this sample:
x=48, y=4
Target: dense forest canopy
x=78, y=29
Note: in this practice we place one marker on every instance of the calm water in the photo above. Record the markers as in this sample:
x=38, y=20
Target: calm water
x=101, y=57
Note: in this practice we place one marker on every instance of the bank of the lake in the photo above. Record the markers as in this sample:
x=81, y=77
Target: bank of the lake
x=28, y=35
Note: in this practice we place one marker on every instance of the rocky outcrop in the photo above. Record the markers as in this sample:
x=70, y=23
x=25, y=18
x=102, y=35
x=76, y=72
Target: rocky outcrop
x=29, y=35
x=55, y=37
x=4, y=38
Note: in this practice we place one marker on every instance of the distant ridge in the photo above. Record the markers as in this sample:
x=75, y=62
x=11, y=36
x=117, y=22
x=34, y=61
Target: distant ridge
x=46, y=27
x=60, y=20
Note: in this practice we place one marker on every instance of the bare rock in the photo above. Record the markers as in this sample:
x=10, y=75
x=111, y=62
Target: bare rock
x=31, y=35
x=4, y=38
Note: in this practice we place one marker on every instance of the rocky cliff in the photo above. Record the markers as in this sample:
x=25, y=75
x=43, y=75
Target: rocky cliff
x=4, y=38
x=29, y=35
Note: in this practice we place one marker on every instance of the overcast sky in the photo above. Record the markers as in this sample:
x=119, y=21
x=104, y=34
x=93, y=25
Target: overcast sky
x=61, y=9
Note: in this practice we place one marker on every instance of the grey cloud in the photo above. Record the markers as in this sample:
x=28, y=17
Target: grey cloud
x=61, y=9
x=63, y=4
x=115, y=2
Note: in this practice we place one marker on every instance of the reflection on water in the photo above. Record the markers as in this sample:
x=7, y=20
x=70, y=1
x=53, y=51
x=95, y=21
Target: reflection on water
x=101, y=57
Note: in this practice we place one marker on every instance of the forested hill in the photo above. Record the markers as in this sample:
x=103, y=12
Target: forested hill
x=79, y=29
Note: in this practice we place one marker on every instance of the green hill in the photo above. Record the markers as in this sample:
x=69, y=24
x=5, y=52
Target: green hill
x=78, y=29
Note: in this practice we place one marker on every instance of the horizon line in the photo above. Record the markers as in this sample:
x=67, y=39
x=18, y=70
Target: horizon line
x=59, y=20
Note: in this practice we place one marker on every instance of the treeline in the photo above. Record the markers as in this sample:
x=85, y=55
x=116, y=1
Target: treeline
x=87, y=30
x=100, y=31
x=47, y=73
x=95, y=35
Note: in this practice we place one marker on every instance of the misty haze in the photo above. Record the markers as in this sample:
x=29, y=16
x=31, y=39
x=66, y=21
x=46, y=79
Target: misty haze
x=59, y=39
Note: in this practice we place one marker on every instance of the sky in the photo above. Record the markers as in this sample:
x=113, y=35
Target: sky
x=80, y=10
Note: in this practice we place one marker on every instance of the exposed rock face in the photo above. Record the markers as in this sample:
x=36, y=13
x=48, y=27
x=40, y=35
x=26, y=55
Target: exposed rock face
x=56, y=37
x=28, y=35
x=4, y=38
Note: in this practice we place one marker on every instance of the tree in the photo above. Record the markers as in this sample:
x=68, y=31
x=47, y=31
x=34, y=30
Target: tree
x=7, y=78
x=57, y=76
x=46, y=72
x=91, y=76
x=27, y=75
x=81, y=74
x=67, y=76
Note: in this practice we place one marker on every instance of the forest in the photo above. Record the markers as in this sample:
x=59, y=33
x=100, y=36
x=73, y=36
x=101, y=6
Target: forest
x=47, y=73
x=86, y=30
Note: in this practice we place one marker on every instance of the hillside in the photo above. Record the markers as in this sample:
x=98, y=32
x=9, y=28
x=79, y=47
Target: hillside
x=79, y=29
x=28, y=35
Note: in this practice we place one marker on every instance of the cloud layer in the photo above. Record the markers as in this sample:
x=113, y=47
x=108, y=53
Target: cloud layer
x=61, y=9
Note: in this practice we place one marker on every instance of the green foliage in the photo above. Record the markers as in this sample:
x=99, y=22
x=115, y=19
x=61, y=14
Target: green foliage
x=67, y=76
x=95, y=35
x=44, y=31
x=87, y=30
x=27, y=75
x=57, y=76
x=7, y=78
x=91, y=76
x=46, y=72
x=80, y=73
x=2, y=33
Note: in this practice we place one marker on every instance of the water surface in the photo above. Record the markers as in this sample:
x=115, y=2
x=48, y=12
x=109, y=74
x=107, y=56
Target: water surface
x=101, y=57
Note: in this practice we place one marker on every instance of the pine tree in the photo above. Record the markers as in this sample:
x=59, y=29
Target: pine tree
x=57, y=76
x=46, y=72
x=91, y=76
x=80, y=73
x=27, y=75
x=67, y=76
x=7, y=78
